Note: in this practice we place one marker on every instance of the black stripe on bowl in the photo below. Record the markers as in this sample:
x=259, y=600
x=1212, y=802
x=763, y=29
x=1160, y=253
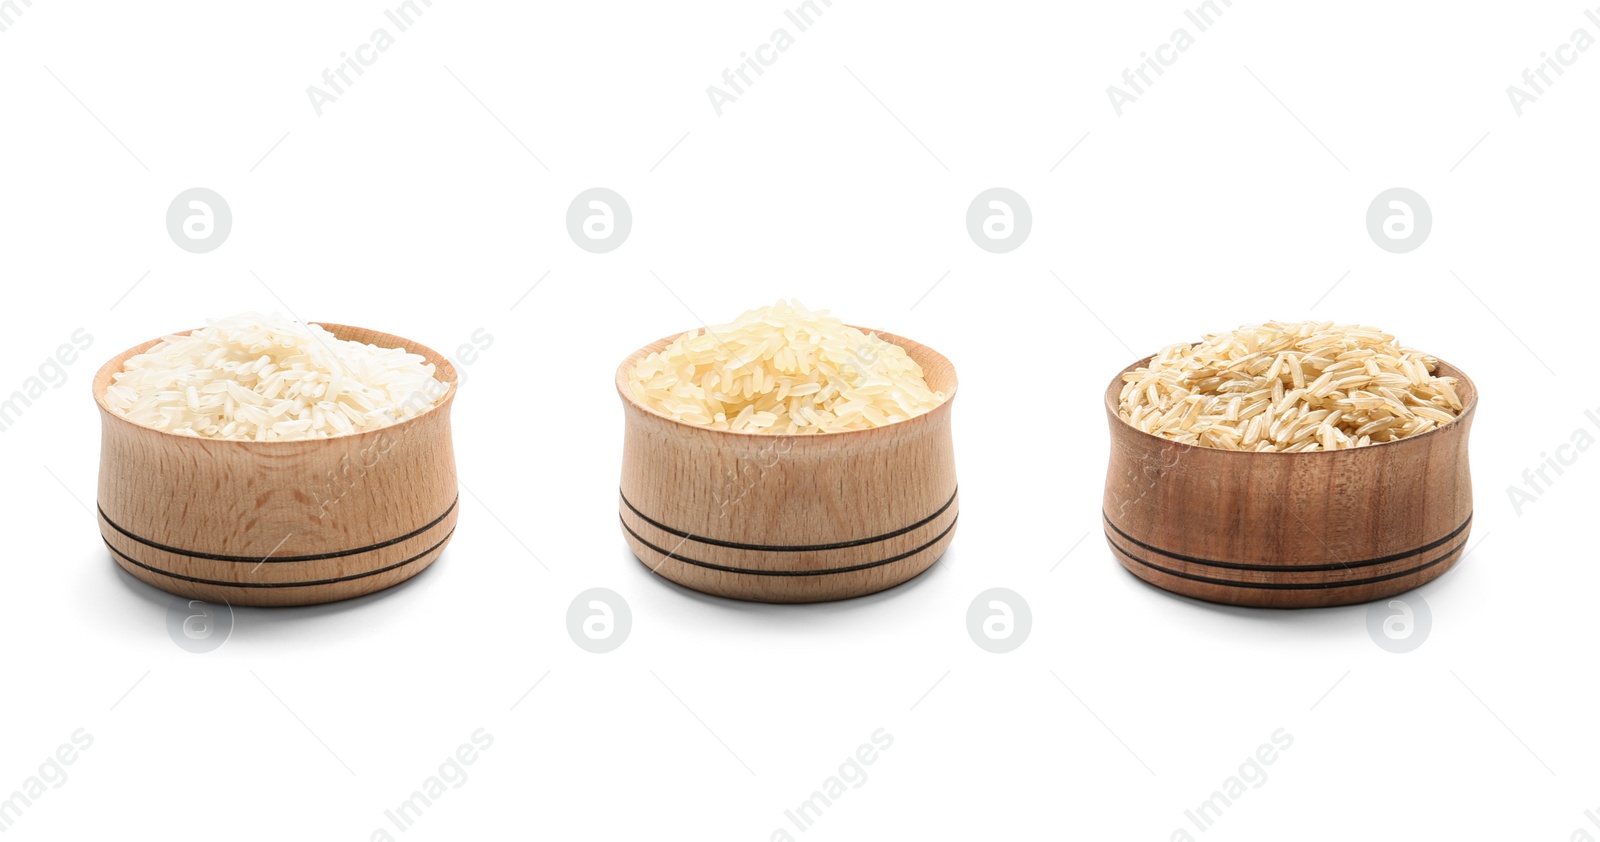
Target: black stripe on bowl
x=282, y=559
x=823, y=572
x=169, y=574
x=1290, y=568
x=789, y=548
x=1286, y=586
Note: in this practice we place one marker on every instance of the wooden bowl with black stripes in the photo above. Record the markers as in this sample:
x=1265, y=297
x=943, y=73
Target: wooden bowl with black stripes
x=1289, y=530
x=773, y=518
x=279, y=523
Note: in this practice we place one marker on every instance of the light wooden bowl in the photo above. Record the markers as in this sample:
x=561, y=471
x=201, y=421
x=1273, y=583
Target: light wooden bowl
x=774, y=518
x=279, y=523
x=1289, y=530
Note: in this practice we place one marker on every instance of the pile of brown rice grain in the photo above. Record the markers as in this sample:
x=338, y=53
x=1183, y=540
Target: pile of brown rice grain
x=267, y=378
x=783, y=370
x=1289, y=387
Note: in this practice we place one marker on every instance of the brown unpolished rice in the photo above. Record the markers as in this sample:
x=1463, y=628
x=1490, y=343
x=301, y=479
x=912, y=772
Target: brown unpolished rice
x=1289, y=387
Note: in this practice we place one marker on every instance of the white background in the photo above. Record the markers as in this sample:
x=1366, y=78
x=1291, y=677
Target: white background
x=415, y=205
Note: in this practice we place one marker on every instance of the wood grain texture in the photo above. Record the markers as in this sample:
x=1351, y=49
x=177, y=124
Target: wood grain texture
x=1289, y=530
x=279, y=523
x=776, y=518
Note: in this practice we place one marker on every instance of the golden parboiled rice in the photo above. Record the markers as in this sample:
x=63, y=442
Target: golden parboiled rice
x=1289, y=387
x=783, y=370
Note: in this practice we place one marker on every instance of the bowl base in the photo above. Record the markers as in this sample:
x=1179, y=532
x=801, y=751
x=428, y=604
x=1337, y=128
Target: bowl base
x=282, y=580
x=788, y=586
x=279, y=597
x=1283, y=586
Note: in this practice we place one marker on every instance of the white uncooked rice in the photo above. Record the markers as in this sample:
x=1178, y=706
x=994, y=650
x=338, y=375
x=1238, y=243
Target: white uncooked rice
x=783, y=370
x=1289, y=387
x=267, y=378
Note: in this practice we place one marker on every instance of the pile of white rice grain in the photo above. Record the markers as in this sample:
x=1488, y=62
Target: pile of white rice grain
x=1292, y=387
x=783, y=370
x=266, y=378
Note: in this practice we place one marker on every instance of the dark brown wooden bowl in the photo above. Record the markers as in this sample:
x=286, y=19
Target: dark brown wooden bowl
x=1289, y=530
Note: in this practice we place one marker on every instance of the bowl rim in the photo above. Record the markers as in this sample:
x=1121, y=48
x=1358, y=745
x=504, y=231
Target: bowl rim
x=625, y=369
x=443, y=369
x=1113, y=406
